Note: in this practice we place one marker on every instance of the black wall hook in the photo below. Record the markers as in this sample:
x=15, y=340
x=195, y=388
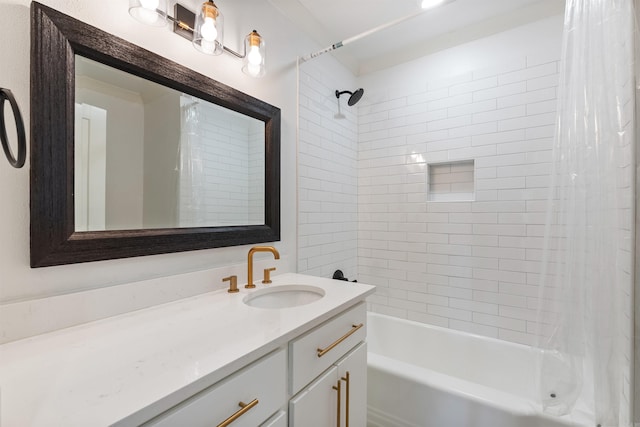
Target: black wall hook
x=16, y=162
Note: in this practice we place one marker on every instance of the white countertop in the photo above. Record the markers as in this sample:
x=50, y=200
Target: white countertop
x=125, y=369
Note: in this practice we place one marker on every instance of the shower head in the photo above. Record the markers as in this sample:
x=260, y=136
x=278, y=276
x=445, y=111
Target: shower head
x=354, y=98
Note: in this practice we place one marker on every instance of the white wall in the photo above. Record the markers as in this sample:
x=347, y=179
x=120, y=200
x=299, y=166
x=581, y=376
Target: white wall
x=125, y=150
x=468, y=265
x=161, y=142
x=18, y=282
x=327, y=228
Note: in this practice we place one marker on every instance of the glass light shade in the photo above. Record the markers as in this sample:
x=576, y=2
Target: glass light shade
x=209, y=29
x=149, y=12
x=255, y=54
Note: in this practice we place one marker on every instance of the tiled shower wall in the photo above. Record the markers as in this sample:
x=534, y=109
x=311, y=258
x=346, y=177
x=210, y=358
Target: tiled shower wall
x=327, y=172
x=467, y=265
x=224, y=184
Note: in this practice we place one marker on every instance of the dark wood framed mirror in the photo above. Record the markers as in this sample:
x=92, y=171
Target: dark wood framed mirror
x=57, y=41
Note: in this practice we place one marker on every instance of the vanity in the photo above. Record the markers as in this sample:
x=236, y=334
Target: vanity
x=198, y=362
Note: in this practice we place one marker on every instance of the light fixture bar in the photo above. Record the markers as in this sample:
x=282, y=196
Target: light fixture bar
x=234, y=53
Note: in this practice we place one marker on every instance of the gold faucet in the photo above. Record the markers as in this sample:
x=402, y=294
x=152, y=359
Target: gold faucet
x=253, y=250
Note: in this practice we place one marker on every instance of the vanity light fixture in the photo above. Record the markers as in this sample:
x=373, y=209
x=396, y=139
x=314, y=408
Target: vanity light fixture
x=205, y=29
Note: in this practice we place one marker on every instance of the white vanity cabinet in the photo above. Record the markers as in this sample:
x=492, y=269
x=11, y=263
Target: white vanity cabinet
x=325, y=380
x=252, y=394
x=329, y=373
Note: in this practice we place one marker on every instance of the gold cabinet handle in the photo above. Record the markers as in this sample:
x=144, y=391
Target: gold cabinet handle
x=347, y=378
x=244, y=408
x=354, y=328
x=339, y=389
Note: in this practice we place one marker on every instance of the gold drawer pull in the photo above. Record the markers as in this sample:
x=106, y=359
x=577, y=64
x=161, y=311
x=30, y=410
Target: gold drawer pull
x=244, y=408
x=338, y=388
x=347, y=379
x=354, y=328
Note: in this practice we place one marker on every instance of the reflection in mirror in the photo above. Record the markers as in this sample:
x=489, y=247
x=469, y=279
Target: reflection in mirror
x=147, y=156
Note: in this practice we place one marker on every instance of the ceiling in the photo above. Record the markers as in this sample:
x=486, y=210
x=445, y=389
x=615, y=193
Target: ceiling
x=455, y=22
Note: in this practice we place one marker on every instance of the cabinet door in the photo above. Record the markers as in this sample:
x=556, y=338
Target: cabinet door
x=278, y=420
x=352, y=372
x=316, y=405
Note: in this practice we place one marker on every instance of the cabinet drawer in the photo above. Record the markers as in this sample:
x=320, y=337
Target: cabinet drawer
x=306, y=361
x=263, y=380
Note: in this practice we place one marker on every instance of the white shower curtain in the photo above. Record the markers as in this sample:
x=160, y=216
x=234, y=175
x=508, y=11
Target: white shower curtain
x=584, y=314
x=192, y=181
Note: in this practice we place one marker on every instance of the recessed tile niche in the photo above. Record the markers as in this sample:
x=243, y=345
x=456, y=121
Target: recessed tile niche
x=451, y=182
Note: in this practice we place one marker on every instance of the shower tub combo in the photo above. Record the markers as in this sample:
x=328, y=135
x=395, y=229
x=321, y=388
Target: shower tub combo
x=426, y=376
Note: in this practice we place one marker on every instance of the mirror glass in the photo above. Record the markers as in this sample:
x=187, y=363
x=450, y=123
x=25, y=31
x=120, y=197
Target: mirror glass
x=148, y=156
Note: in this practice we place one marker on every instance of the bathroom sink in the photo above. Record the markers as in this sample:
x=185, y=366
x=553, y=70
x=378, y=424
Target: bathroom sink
x=284, y=296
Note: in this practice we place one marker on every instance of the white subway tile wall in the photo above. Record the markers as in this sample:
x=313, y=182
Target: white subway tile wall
x=328, y=178
x=256, y=174
x=223, y=184
x=467, y=265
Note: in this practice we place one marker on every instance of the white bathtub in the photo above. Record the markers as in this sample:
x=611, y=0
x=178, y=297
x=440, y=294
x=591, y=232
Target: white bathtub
x=426, y=376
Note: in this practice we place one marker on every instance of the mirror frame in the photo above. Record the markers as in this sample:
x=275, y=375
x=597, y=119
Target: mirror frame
x=55, y=40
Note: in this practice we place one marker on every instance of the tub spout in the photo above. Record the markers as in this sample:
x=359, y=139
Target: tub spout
x=252, y=251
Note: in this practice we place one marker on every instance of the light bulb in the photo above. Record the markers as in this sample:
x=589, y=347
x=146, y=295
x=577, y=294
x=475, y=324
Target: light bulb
x=150, y=4
x=254, y=56
x=207, y=46
x=253, y=69
x=208, y=30
x=428, y=4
